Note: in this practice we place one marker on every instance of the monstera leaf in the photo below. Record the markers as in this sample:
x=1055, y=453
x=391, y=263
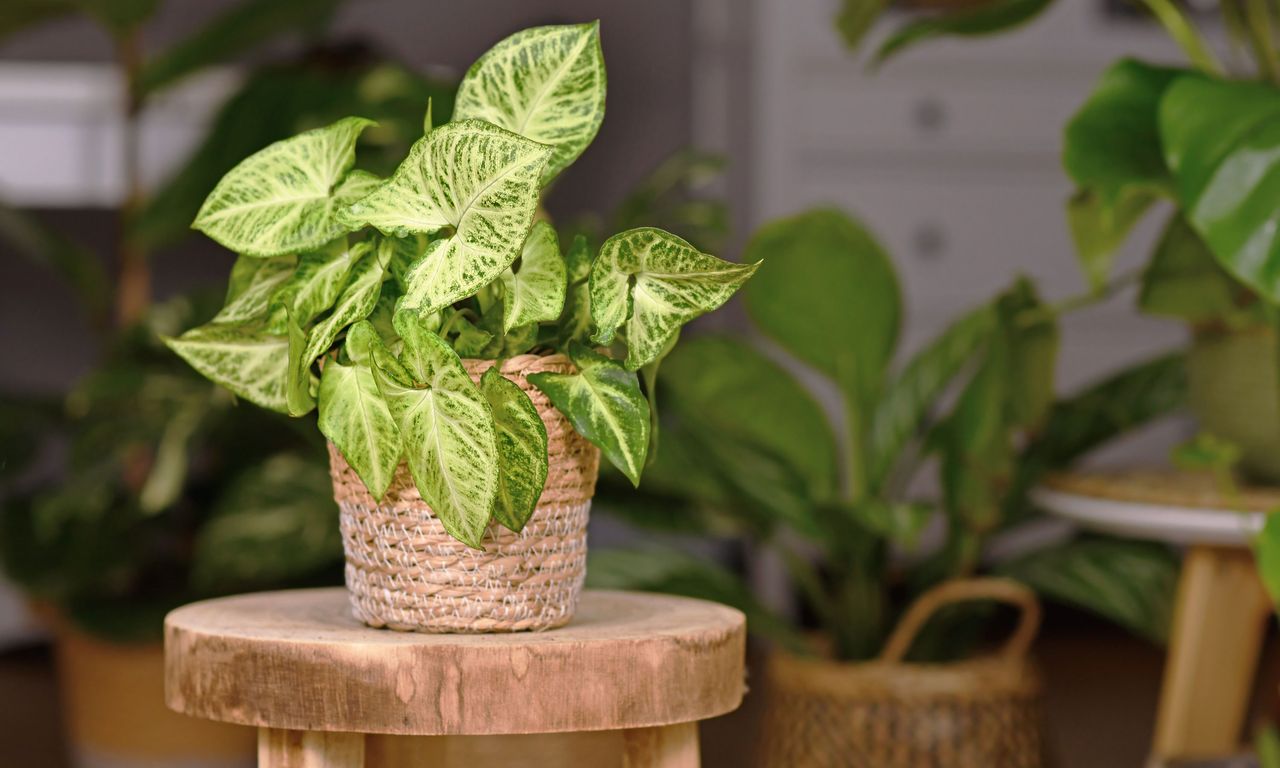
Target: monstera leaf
x=354, y=415
x=284, y=198
x=654, y=282
x=474, y=177
x=546, y=83
x=604, y=404
x=535, y=292
x=522, y=449
x=446, y=427
x=246, y=359
x=253, y=284
x=1222, y=143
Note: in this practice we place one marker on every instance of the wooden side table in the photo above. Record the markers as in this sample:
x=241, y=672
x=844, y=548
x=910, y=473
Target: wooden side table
x=624, y=684
x=1221, y=610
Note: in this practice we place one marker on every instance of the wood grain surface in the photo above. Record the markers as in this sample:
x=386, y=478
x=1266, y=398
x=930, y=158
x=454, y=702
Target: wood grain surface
x=298, y=660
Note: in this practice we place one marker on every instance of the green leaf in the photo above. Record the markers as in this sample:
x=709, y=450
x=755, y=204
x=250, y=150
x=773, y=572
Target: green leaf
x=909, y=400
x=355, y=417
x=474, y=177
x=275, y=523
x=446, y=428
x=300, y=383
x=1184, y=33
x=252, y=288
x=1266, y=549
x=855, y=19
x=535, y=293
x=1184, y=281
x=246, y=359
x=1129, y=582
x=900, y=522
x=1222, y=142
x=284, y=198
x=169, y=467
x=1111, y=150
x=793, y=301
x=987, y=18
x=604, y=404
x=356, y=302
x=1030, y=330
x=546, y=83
x=234, y=31
x=319, y=278
x=733, y=389
x=575, y=320
x=467, y=339
x=522, y=450
x=654, y=282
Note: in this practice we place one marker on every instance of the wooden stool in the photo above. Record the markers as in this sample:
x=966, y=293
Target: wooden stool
x=624, y=684
x=1221, y=610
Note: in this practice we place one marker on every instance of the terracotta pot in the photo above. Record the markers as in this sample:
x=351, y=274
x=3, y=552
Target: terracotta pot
x=1235, y=394
x=405, y=572
x=887, y=713
x=115, y=716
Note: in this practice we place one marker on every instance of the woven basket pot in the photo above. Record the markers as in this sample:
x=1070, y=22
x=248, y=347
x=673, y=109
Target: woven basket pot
x=405, y=572
x=979, y=713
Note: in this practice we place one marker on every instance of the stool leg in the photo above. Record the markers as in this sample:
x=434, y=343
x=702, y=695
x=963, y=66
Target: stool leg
x=309, y=749
x=1218, y=624
x=668, y=746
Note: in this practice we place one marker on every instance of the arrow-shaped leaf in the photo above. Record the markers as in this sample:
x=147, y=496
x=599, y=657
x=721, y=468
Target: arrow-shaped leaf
x=246, y=359
x=522, y=450
x=604, y=404
x=655, y=282
x=535, y=292
x=321, y=275
x=283, y=199
x=356, y=302
x=354, y=415
x=251, y=287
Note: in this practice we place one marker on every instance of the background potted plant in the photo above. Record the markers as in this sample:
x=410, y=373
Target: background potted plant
x=979, y=399
x=147, y=488
x=1197, y=138
x=444, y=467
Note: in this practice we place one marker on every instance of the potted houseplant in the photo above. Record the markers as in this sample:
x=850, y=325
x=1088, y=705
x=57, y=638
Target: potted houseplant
x=465, y=370
x=1193, y=136
x=882, y=684
x=169, y=492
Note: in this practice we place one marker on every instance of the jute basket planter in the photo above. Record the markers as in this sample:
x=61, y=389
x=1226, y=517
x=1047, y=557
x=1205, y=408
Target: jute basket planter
x=887, y=713
x=405, y=572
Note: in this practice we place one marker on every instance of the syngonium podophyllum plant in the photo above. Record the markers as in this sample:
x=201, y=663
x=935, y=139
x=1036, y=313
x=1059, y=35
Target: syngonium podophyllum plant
x=361, y=295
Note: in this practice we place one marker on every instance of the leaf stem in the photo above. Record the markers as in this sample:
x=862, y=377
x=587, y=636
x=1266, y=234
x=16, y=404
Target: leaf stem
x=1185, y=35
x=1043, y=313
x=1261, y=40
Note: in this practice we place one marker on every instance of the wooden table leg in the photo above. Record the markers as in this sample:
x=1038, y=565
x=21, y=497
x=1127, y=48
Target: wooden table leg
x=309, y=749
x=1218, y=625
x=668, y=746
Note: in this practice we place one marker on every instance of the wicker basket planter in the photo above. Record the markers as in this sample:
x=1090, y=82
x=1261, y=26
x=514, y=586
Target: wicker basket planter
x=405, y=572
x=887, y=713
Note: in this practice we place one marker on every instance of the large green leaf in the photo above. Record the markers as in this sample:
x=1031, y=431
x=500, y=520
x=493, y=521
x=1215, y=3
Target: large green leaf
x=522, y=450
x=1111, y=150
x=909, y=400
x=355, y=417
x=474, y=177
x=247, y=359
x=975, y=20
x=447, y=430
x=1222, y=143
x=654, y=282
x=604, y=404
x=1129, y=582
x=535, y=292
x=252, y=287
x=734, y=389
x=284, y=199
x=356, y=302
x=546, y=83
x=1184, y=281
x=235, y=31
x=828, y=293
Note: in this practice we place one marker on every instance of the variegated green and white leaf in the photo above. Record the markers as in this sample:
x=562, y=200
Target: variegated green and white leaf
x=447, y=429
x=319, y=279
x=466, y=338
x=354, y=416
x=474, y=177
x=356, y=302
x=283, y=199
x=253, y=283
x=604, y=404
x=522, y=450
x=535, y=293
x=655, y=282
x=299, y=381
x=575, y=321
x=547, y=83
x=246, y=359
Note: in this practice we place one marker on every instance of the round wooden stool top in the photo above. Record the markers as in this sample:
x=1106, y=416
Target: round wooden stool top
x=298, y=660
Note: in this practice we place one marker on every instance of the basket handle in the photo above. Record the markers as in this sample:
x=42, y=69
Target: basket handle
x=963, y=590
